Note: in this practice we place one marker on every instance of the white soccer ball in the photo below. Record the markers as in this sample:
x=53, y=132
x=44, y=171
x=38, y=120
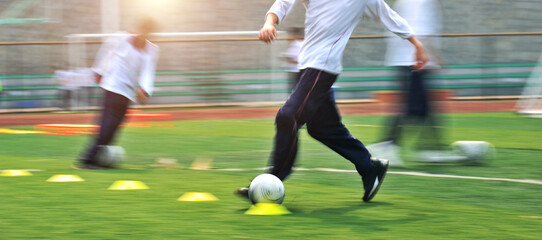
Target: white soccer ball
x=110, y=156
x=475, y=151
x=266, y=188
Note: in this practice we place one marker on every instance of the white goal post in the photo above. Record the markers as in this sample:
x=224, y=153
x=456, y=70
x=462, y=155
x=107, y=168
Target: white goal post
x=530, y=102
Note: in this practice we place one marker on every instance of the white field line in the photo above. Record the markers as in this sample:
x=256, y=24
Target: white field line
x=363, y=125
x=538, y=182
x=418, y=174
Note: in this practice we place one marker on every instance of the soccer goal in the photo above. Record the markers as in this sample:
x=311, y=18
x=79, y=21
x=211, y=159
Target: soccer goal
x=199, y=67
x=530, y=103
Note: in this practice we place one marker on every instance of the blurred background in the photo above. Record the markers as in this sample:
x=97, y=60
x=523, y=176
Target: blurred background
x=210, y=57
x=210, y=54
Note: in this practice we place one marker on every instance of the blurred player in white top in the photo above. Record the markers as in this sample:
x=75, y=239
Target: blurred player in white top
x=328, y=26
x=292, y=55
x=424, y=17
x=124, y=68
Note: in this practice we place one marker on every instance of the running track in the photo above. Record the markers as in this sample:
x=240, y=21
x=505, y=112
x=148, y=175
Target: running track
x=253, y=112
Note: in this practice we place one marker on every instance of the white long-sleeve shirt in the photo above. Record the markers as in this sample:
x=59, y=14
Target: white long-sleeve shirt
x=329, y=24
x=124, y=68
x=424, y=17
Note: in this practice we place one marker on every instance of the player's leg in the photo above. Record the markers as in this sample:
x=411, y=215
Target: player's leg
x=417, y=95
x=397, y=122
x=293, y=79
x=310, y=92
x=111, y=123
x=395, y=129
x=430, y=134
x=326, y=127
x=115, y=107
x=429, y=137
x=388, y=147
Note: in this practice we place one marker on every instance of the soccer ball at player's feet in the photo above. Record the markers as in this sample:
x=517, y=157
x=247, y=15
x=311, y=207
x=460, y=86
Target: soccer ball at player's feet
x=266, y=188
x=110, y=156
x=372, y=182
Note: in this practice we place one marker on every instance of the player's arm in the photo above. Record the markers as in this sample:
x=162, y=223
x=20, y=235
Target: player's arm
x=97, y=78
x=380, y=11
x=421, y=54
x=142, y=95
x=268, y=32
x=146, y=81
x=278, y=11
x=429, y=27
x=104, y=58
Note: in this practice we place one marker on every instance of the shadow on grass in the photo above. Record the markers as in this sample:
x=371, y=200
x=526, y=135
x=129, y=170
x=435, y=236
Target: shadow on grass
x=352, y=206
x=359, y=216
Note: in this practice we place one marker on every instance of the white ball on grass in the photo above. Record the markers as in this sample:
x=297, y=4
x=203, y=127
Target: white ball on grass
x=110, y=156
x=266, y=188
x=475, y=151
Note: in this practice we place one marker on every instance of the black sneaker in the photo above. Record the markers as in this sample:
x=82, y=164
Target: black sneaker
x=372, y=183
x=242, y=192
x=86, y=166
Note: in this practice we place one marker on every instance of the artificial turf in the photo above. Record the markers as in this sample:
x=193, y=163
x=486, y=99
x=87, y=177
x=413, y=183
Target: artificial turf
x=324, y=205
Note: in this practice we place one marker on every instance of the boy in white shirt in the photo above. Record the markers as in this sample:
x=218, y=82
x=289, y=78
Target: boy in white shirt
x=328, y=26
x=124, y=68
x=291, y=56
x=424, y=17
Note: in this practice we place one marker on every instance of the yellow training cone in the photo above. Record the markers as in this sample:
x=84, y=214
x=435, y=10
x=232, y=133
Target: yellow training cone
x=128, y=185
x=197, y=197
x=267, y=209
x=15, y=173
x=202, y=164
x=65, y=178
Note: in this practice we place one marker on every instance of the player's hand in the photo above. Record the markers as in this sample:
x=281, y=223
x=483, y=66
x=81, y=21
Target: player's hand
x=142, y=96
x=421, y=58
x=268, y=33
x=421, y=54
x=97, y=78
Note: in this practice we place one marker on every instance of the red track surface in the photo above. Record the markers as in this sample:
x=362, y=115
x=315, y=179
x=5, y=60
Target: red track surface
x=252, y=112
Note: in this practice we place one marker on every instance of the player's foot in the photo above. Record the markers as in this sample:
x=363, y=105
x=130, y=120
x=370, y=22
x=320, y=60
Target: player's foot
x=86, y=166
x=372, y=183
x=386, y=150
x=242, y=192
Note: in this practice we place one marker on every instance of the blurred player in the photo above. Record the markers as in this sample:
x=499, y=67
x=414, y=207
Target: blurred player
x=329, y=25
x=424, y=18
x=124, y=68
x=292, y=55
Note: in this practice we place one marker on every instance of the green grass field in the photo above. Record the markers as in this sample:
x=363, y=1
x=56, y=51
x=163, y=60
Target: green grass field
x=324, y=205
